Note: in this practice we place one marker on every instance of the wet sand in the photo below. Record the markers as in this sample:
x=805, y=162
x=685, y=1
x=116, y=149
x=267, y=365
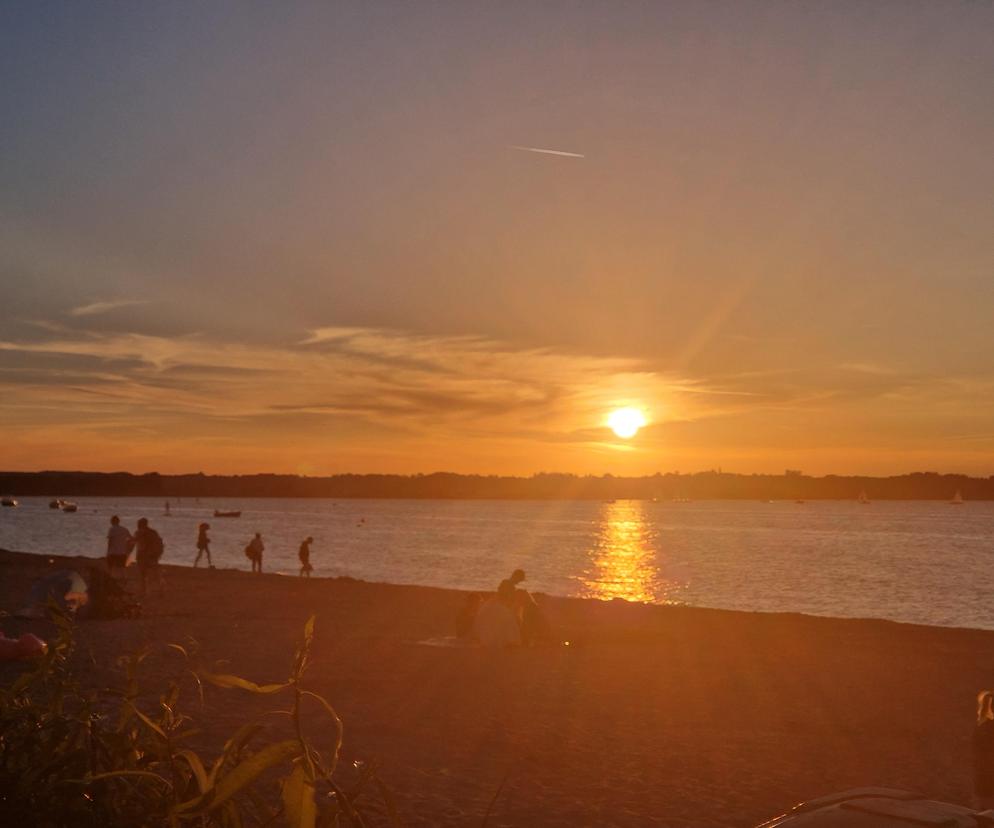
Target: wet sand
x=652, y=716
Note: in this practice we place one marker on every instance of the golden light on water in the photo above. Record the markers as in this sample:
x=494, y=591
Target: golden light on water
x=625, y=422
x=623, y=561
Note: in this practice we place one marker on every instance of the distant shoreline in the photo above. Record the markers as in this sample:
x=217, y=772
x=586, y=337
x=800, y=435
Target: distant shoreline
x=708, y=485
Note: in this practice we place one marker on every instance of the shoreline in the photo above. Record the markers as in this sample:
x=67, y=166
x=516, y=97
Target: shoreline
x=655, y=715
x=82, y=561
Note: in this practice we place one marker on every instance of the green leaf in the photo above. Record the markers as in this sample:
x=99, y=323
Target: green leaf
x=113, y=774
x=298, y=799
x=241, y=776
x=336, y=748
x=226, y=680
x=196, y=767
x=149, y=722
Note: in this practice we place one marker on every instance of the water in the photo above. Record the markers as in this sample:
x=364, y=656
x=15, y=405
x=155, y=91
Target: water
x=924, y=562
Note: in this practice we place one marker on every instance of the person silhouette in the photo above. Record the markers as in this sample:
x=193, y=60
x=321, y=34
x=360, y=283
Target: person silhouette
x=148, y=550
x=304, y=553
x=254, y=552
x=203, y=545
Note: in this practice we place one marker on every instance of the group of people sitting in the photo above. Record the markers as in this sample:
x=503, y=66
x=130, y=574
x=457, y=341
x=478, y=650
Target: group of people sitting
x=508, y=618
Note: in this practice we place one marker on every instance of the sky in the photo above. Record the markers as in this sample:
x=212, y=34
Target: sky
x=318, y=238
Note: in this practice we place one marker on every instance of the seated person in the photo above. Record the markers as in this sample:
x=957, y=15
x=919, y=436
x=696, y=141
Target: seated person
x=496, y=624
x=535, y=627
x=507, y=588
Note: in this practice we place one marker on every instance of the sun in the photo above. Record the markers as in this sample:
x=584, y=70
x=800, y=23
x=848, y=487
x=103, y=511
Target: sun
x=625, y=422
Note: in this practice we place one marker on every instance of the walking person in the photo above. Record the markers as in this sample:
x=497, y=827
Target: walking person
x=304, y=553
x=254, y=552
x=203, y=545
x=148, y=550
x=119, y=543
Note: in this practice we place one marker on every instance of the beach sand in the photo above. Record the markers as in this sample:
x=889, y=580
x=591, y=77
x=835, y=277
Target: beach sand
x=652, y=716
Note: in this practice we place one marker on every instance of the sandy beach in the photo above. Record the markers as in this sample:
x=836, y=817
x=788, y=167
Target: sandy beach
x=651, y=716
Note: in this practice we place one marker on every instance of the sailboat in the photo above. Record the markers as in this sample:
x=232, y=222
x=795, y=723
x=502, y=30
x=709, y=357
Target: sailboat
x=957, y=499
x=863, y=498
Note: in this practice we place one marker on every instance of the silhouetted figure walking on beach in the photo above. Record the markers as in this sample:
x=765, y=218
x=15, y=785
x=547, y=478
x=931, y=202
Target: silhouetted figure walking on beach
x=304, y=553
x=983, y=752
x=119, y=543
x=203, y=545
x=254, y=552
x=148, y=550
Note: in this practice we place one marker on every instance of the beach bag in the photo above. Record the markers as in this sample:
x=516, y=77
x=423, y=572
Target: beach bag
x=250, y=552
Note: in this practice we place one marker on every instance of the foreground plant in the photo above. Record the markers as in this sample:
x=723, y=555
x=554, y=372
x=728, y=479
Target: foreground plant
x=112, y=757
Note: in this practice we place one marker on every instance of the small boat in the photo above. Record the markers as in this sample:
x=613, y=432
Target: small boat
x=56, y=504
x=957, y=499
x=69, y=506
x=218, y=513
x=8, y=501
x=863, y=499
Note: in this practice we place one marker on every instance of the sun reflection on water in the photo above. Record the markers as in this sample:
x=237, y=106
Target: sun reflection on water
x=623, y=560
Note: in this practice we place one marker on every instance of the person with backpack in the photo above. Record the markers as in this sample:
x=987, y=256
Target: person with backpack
x=203, y=545
x=148, y=550
x=254, y=552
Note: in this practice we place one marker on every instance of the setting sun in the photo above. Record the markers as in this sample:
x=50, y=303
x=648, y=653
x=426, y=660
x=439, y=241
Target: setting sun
x=625, y=422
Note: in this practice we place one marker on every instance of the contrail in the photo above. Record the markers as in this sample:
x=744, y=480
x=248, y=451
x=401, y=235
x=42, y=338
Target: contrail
x=549, y=151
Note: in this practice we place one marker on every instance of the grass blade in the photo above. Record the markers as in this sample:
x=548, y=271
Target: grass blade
x=298, y=799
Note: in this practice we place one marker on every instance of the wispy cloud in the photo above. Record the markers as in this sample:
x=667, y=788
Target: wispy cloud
x=543, y=151
x=103, y=307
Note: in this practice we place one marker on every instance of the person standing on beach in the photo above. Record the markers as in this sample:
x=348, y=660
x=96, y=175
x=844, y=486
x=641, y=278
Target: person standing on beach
x=254, y=552
x=203, y=545
x=148, y=550
x=304, y=553
x=119, y=543
x=983, y=752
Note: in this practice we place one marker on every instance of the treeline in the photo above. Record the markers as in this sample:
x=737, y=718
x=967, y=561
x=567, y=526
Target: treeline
x=699, y=486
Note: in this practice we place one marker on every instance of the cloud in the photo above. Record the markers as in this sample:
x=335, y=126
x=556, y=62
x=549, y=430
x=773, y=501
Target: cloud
x=103, y=307
x=562, y=153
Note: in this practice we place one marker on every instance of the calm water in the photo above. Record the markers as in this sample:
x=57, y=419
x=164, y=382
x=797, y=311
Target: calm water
x=924, y=562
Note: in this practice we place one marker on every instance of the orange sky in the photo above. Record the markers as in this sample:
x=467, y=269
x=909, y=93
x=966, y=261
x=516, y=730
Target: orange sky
x=317, y=241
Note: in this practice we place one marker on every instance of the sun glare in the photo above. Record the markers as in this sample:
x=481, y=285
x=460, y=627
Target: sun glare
x=625, y=422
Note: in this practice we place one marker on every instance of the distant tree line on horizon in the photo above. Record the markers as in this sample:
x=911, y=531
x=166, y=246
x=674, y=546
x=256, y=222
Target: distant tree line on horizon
x=705, y=485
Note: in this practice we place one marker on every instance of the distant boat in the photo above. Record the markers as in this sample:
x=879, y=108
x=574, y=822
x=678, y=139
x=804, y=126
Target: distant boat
x=799, y=501
x=863, y=498
x=218, y=513
x=55, y=504
x=957, y=499
x=68, y=506
x=8, y=501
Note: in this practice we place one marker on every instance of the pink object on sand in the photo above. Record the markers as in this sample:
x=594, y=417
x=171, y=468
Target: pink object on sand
x=27, y=646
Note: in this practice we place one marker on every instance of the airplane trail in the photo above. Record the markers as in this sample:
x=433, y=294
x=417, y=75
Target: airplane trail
x=548, y=151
